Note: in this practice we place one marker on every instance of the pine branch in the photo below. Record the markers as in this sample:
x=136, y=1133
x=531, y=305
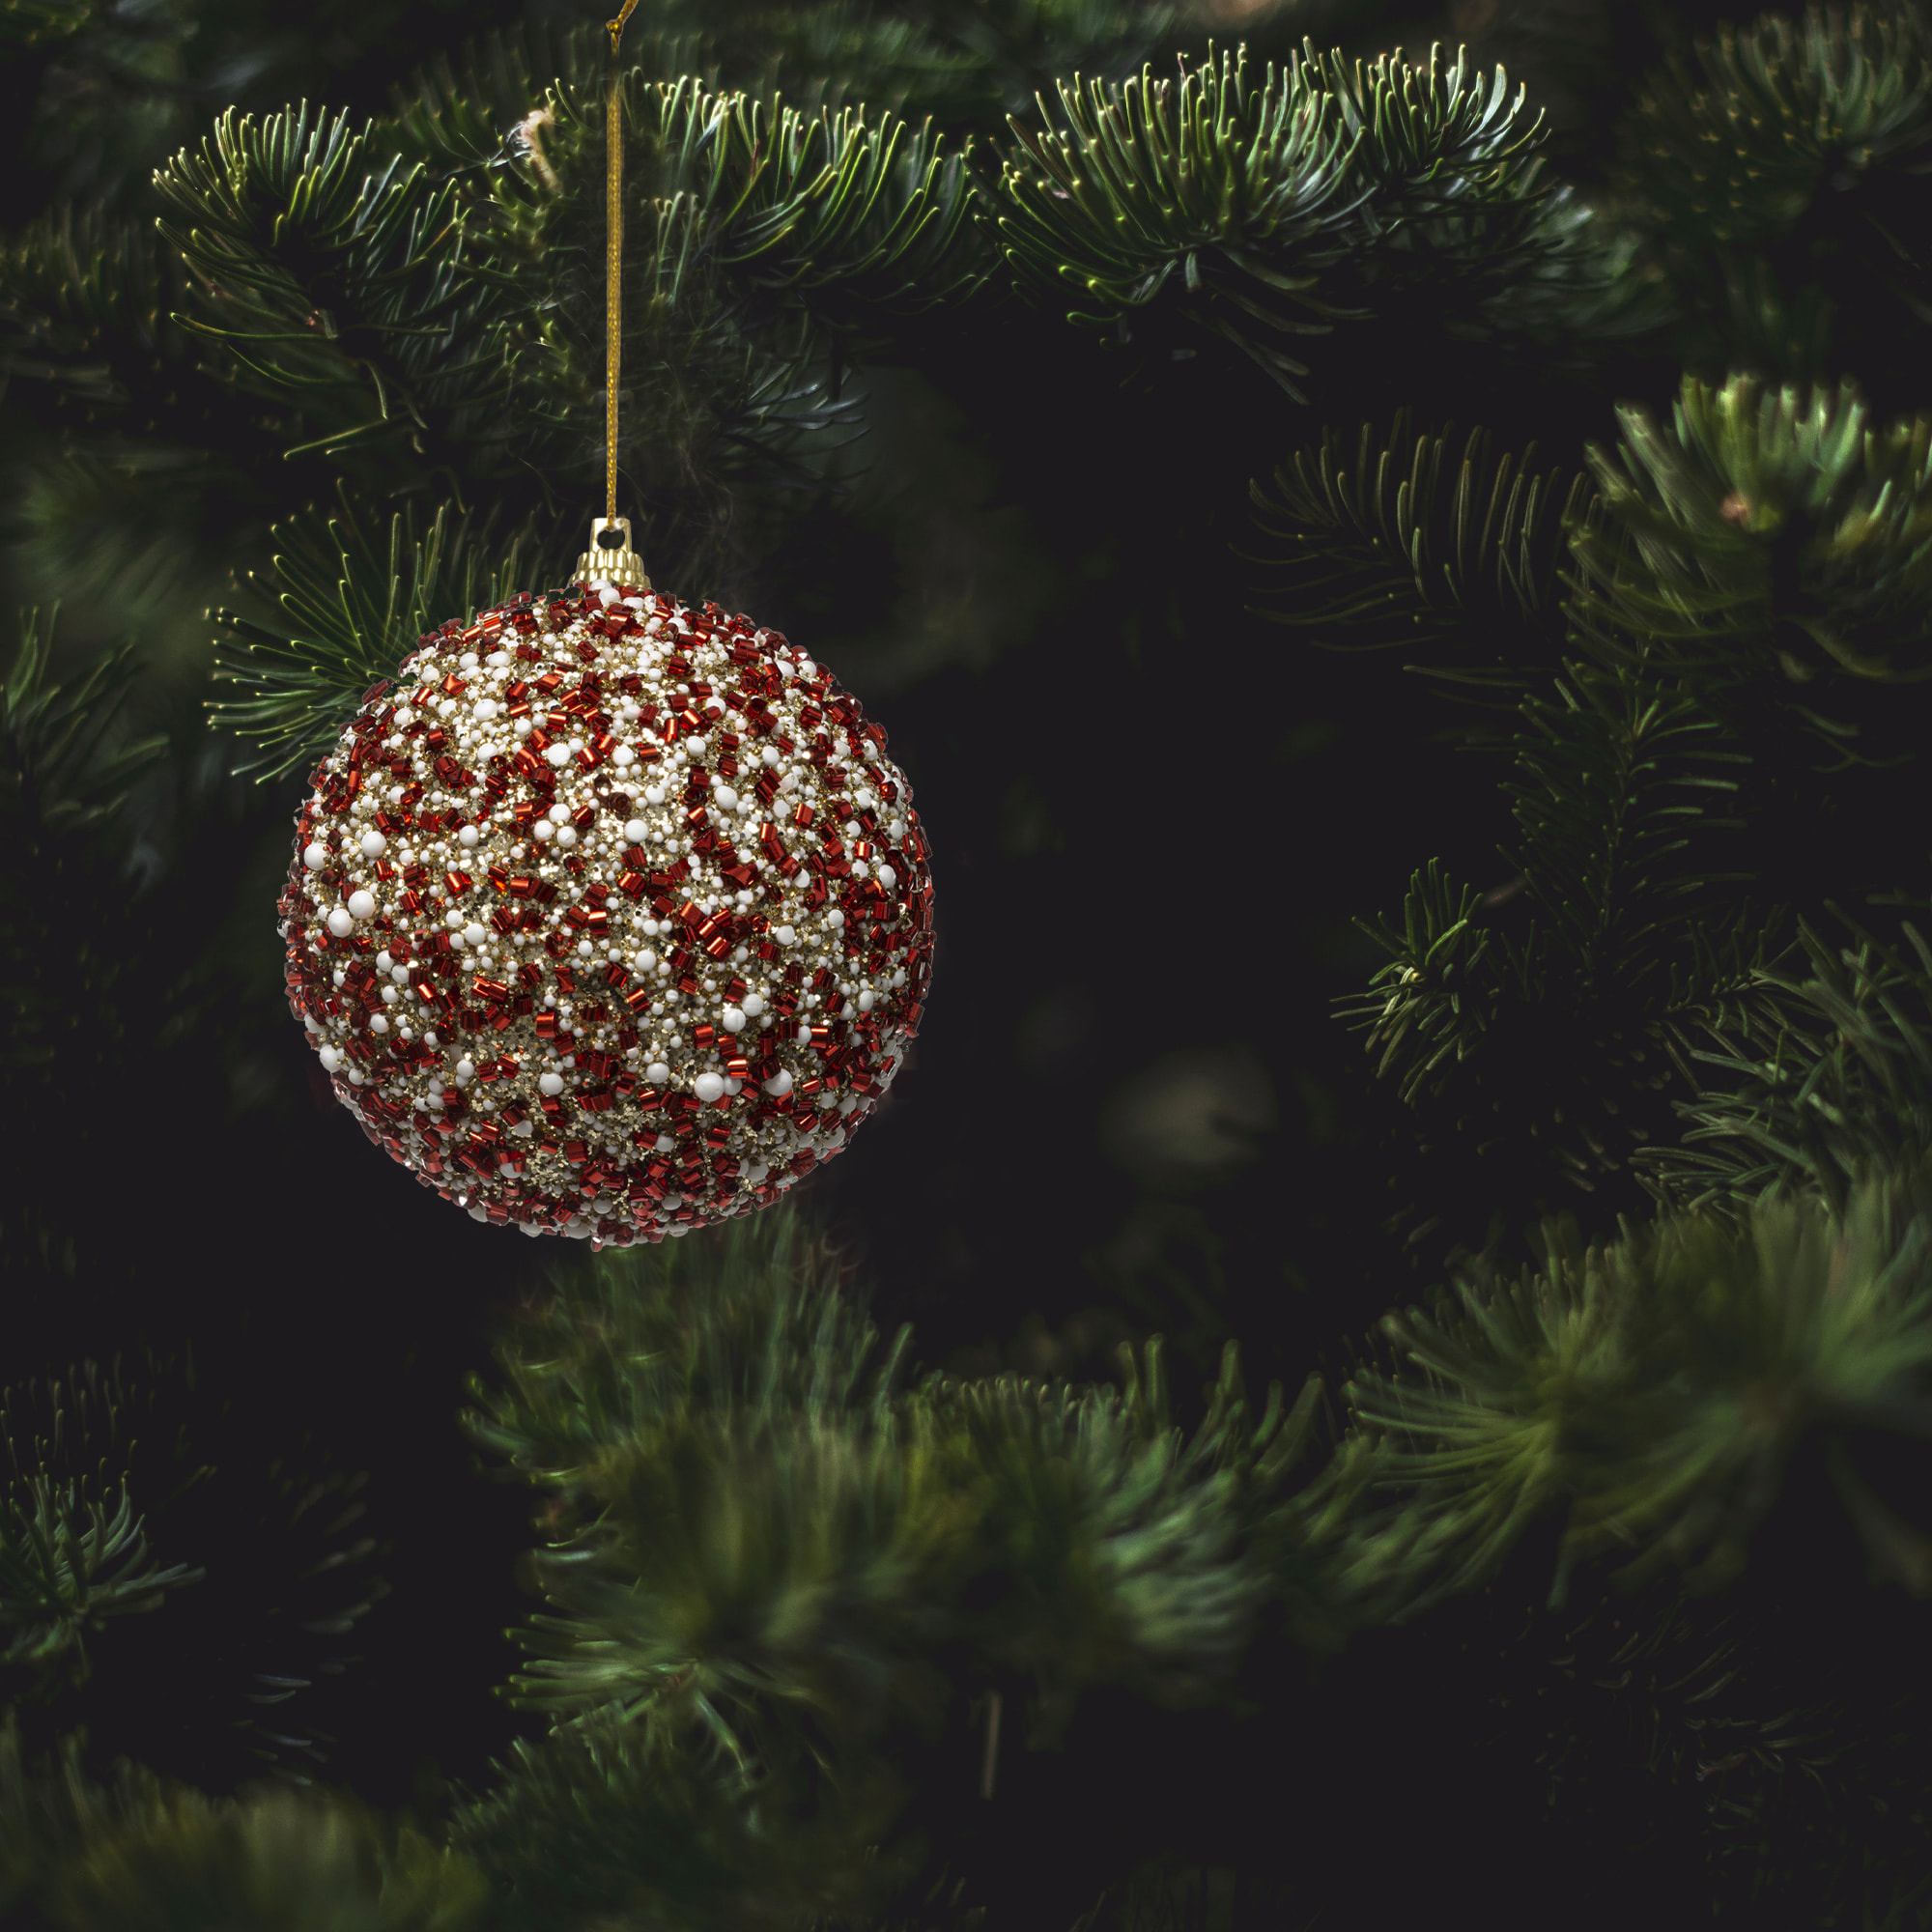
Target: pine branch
x=65, y=774
x=228, y=1682
x=1458, y=206
x=1773, y=535
x=1243, y=197
x=603, y=1816
x=65, y=778
x=148, y=1851
x=39, y=23
x=747, y=237
x=1652, y=1389
x=67, y=1565
x=338, y=289
x=761, y=1548
x=1839, y=1087
x=1206, y=181
x=1390, y=553
x=1612, y=778
x=1724, y=181
x=341, y=612
x=1633, y=942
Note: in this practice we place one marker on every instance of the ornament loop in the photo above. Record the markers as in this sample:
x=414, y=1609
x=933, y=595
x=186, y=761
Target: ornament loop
x=611, y=557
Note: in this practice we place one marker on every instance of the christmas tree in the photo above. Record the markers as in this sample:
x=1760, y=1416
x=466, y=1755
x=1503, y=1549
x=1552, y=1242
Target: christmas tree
x=1373, y=1360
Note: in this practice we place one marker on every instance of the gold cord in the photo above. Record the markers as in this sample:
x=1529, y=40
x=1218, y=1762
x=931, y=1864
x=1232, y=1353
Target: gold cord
x=613, y=255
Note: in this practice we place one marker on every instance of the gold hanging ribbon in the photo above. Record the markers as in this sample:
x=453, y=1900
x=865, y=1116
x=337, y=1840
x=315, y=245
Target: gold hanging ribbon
x=613, y=256
x=620, y=563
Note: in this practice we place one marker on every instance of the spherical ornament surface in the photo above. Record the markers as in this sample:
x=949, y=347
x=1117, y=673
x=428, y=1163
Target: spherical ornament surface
x=613, y=918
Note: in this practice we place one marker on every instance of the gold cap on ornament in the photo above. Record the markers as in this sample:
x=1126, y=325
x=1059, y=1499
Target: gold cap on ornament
x=610, y=555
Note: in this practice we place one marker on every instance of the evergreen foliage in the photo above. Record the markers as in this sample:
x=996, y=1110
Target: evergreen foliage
x=828, y=1635
x=769, y=1553
x=1654, y=1388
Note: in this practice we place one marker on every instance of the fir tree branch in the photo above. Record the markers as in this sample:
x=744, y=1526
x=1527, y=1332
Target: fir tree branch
x=67, y=1565
x=1772, y=534
x=153, y=1851
x=1632, y=938
x=1838, y=1087
x=1652, y=1389
x=1802, y=146
x=1207, y=181
x=341, y=611
x=761, y=1548
x=335, y=287
x=1391, y=554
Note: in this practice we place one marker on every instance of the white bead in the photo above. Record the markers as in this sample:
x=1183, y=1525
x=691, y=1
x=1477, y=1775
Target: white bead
x=607, y=598
x=888, y=877
x=379, y=1024
x=341, y=923
x=584, y=947
x=622, y=756
x=784, y=935
x=835, y=917
x=865, y=1001
x=657, y=1073
x=469, y=661
x=551, y=1083
x=735, y=1019
x=486, y=709
x=566, y=835
x=469, y=837
x=754, y=1005
x=635, y=832
x=330, y=1058
x=805, y=1033
x=708, y=1086
x=543, y=828
x=454, y=920
x=644, y=959
x=315, y=857
x=361, y=905
x=475, y=933
x=374, y=845
x=558, y=755
x=654, y=795
x=727, y=797
x=779, y=1085
x=733, y=1085
x=384, y=960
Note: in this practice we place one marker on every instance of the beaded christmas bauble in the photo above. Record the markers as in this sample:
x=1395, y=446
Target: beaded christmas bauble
x=611, y=918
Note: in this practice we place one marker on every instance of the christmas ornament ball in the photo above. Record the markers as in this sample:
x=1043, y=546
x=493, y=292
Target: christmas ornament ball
x=611, y=918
